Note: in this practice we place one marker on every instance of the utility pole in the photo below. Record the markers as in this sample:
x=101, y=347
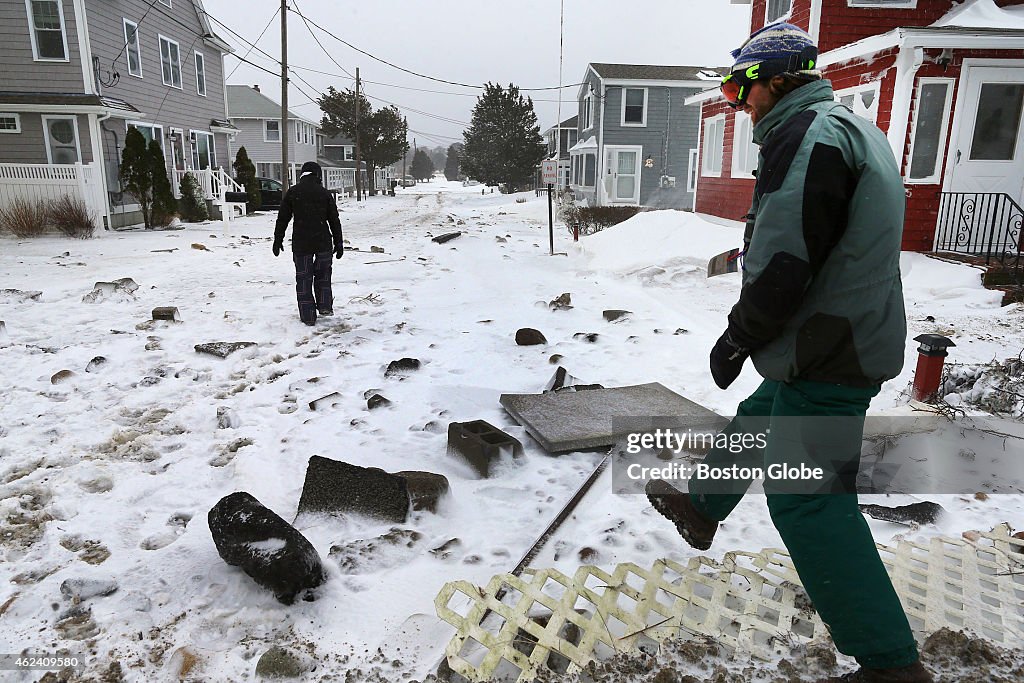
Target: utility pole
x=359, y=153
x=405, y=120
x=285, y=174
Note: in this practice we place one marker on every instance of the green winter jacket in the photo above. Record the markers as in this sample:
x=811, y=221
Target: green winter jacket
x=821, y=298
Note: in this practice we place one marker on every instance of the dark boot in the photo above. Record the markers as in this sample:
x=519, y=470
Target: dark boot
x=695, y=528
x=915, y=673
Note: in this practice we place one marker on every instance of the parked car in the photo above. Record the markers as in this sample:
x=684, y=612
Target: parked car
x=271, y=192
x=408, y=181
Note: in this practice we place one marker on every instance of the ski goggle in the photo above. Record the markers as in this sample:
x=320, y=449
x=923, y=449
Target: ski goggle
x=736, y=86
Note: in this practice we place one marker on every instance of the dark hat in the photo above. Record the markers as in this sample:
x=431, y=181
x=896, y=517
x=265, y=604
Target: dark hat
x=314, y=168
x=782, y=45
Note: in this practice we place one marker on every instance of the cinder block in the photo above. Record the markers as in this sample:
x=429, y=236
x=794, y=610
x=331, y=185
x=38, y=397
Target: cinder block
x=481, y=444
x=166, y=313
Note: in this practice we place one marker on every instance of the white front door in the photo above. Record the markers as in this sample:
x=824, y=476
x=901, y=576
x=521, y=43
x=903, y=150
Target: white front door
x=622, y=174
x=987, y=154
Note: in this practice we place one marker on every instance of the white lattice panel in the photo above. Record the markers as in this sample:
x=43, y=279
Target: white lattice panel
x=751, y=602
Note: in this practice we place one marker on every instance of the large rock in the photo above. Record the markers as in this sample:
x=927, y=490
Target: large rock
x=333, y=486
x=267, y=548
x=402, y=366
x=527, y=336
x=924, y=512
x=278, y=662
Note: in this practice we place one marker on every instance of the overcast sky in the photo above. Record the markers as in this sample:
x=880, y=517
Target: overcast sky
x=473, y=41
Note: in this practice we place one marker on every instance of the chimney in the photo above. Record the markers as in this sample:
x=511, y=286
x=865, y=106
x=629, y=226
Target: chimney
x=256, y=88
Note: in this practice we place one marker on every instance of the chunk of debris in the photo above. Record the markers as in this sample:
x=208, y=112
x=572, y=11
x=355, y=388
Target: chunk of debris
x=363, y=556
x=924, y=512
x=376, y=250
x=562, y=302
x=615, y=314
x=267, y=548
x=18, y=296
x=227, y=418
x=555, y=358
x=222, y=349
x=588, y=337
x=122, y=289
x=166, y=313
x=327, y=401
x=377, y=401
x=277, y=662
x=481, y=445
x=563, y=381
x=5, y=339
x=426, y=489
x=83, y=589
x=527, y=336
x=447, y=237
x=200, y=247
x=332, y=486
x=402, y=366
x=61, y=376
x=96, y=364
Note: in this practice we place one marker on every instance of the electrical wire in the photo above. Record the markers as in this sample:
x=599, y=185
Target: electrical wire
x=138, y=24
x=310, y=29
x=272, y=17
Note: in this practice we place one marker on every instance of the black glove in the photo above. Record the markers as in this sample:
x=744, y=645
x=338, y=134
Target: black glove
x=727, y=360
x=339, y=250
x=277, y=248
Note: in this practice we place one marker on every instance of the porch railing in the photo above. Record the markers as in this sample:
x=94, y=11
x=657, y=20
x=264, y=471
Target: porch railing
x=980, y=223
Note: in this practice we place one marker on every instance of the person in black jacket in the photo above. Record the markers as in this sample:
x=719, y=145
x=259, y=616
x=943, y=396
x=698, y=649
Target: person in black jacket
x=316, y=236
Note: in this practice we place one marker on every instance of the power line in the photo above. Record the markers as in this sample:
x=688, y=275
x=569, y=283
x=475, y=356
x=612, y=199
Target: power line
x=409, y=71
x=272, y=17
x=310, y=29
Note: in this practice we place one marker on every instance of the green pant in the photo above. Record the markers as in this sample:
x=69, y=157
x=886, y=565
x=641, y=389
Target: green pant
x=818, y=424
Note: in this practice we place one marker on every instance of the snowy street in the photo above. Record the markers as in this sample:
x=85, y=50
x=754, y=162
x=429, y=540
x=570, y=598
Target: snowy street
x=109, y=473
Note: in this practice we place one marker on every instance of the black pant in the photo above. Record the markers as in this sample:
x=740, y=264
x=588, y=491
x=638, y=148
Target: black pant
x=313, y=284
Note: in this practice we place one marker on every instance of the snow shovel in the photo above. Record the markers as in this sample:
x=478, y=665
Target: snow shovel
x=726, y=262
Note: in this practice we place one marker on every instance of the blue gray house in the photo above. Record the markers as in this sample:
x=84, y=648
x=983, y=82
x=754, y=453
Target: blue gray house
x=637, y=140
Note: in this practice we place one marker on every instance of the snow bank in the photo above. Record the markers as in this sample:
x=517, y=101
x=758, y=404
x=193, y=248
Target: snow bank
x=927, y=279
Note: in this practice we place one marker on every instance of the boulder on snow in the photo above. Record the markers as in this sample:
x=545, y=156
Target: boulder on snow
x=402, y=366
x=333, y=486
x=562, y=302
x=377, y=401
x=924, y=512
x=279, y=662
x=96, y=364
x=267, y=548
x=61, y=376
x=615, y=314
x=527, y=336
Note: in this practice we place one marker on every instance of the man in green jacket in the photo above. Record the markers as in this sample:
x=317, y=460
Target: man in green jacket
x=821, y=316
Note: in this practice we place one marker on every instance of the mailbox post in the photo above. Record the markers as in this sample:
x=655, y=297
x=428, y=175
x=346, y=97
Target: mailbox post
x=930, y=359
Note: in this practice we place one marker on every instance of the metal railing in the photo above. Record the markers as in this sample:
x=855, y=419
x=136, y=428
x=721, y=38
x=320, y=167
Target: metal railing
x=979, y=223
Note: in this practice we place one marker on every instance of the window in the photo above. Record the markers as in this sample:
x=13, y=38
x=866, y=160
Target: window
x=777, y=9
x=691, y=171
x=997, y=122
x=149, y=131
x=200, y=74
x=589, y=170
x=861, y=99
x=744, y=151
x=714, y=138
x=588, y=111
x=350, y=153
x=307, y=134
x=10, y=123
x=298, y=131
x=46, y=28
x=203, y=155
x=271, y=131
x=897, y=4
x=634, y=106
x=166, y=3
x=931, y=119
x=170, y=62
x=61, y=134
x=132, y=52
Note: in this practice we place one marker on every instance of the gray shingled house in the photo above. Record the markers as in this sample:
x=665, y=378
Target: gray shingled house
x=258, y=119
x=637, y=140
x=78, y=73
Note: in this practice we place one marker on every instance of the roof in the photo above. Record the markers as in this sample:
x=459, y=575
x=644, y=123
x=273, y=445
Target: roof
x=73, y=100
x=651, y=72
x=983, y=14
x=210, y=35
x=246, y=102
x=338, y=141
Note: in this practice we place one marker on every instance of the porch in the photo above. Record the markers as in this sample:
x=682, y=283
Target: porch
x=216, y=186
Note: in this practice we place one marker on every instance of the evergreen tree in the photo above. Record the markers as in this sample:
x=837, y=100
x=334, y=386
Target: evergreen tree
x=503, y=143
x=422, y=166
x=245, y=173
x=451, y=164
x=137, y=173
x=382, y=133
x=165, y=207
x=193, y=203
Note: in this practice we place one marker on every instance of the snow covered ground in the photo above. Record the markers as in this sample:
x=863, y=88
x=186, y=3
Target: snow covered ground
x=109, y=474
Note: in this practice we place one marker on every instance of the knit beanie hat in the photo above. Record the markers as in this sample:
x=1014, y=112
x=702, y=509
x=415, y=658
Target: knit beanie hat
x=780, y=42
x=312, y=168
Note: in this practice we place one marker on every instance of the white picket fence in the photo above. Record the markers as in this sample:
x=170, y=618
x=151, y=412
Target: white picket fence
x=46, y=182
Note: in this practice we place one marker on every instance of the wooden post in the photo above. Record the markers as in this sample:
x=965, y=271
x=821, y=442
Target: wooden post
x=285, y=170
x=359, y=153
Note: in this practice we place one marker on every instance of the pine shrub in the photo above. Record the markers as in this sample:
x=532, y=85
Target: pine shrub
x=192, y=204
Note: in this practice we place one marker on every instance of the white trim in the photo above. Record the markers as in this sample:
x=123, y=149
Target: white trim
x=64, y=108
x=166, y=3
x=138, y=46
x=46, y=135
x=95, y=139
x=814, y=22
x=936, y=175
x=84, y=48
x=968, y=39
x=192, y=133
x=655, y=83
x=588, y=111
x=17, y=123
x=692, y=173
x=612, y=199
x=63, y=33
x=736, y=170
x=197, y=56
x=703, y=96
x=882, y=4
x=643, y=112
x=908, y=61
x=267, y=139
x=872, y=86
x=719, y=151
x=161, y=39
x=782, y=17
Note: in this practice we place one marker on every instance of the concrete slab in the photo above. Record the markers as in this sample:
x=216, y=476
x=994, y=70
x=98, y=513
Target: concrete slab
x=572, y=421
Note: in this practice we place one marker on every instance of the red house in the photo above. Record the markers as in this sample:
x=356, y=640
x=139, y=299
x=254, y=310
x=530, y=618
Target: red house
x=944, y=81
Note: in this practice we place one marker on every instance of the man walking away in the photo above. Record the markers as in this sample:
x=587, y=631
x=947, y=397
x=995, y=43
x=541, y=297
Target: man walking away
x=821, y=315
x=316, y=236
